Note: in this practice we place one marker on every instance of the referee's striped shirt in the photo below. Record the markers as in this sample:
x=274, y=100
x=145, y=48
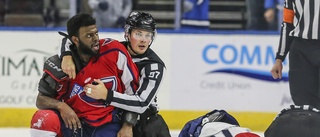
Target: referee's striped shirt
x=300, y=19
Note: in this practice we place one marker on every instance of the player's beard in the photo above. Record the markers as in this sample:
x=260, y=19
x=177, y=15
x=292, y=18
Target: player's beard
x=86, y=49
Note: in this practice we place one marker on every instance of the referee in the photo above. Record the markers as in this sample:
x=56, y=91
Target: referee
x=300, y=35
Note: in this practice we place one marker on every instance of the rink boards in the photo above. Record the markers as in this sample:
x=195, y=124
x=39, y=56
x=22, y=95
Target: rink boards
x=204, y=72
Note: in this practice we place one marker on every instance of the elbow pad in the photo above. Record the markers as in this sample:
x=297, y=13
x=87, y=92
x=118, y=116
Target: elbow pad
x=49, y=82
x=47, y=86
x=52, y=66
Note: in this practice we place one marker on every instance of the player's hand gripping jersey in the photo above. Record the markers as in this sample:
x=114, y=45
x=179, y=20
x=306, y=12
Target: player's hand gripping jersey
x=113, y=66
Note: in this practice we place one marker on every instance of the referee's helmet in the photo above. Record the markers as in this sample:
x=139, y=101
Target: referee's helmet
x=141, y=20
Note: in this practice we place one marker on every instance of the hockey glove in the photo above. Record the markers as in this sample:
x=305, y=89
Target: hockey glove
x=65, y=45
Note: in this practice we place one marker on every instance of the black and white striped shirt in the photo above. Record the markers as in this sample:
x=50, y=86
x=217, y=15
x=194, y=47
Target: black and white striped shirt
x=152, y=71
x=300, y=19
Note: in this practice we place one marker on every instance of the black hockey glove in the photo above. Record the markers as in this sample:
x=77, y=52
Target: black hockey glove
x=65, y=45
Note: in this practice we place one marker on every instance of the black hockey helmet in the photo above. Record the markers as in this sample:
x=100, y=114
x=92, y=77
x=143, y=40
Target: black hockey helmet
x=296, y=121
x=140, y=20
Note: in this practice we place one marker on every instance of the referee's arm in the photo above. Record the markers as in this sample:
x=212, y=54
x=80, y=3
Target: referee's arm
x=287, y=26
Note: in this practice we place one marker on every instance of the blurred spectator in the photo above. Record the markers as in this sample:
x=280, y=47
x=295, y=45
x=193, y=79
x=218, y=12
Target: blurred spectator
x=24, y=13
x=135, y=4
x=110, y=13
x=24, y=6
x=51, y=14
x=84, y=7
x=273, y=13
x=195, y=14
x=2, y=12
x=255, y=11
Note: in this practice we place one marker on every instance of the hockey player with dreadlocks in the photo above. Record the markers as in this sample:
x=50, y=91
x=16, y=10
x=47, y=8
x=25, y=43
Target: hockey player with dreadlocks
x=140, y=31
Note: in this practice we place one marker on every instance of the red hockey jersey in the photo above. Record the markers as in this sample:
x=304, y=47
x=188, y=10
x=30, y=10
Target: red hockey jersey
x=115, y=68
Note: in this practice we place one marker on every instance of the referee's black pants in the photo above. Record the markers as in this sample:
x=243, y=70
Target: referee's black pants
x=304, y=72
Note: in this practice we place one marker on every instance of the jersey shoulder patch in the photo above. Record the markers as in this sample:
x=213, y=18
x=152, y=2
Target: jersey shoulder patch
x=106, y=41
x=52, y=66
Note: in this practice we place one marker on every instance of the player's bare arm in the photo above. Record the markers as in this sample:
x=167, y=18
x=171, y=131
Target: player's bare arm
x=45, y=102
x=69, y=117
x=68, y=66
x=125, y=131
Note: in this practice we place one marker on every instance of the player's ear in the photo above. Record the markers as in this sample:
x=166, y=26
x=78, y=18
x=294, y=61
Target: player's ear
x=75, y=40
x=126, y=36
